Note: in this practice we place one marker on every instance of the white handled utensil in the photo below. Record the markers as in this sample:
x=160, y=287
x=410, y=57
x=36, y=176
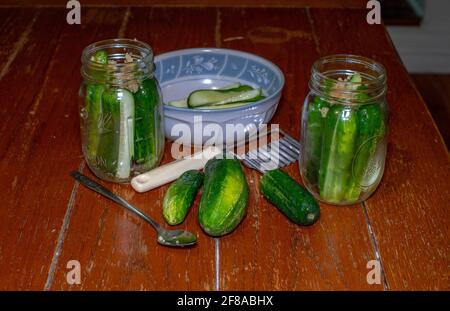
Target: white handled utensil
x=171, y=171
x=278, y=153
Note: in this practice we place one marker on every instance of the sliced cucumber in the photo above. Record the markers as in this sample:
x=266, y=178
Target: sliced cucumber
x=181, y=103
x=222, y=97
x=233, y=105
x=126, y=135
x=230, y=86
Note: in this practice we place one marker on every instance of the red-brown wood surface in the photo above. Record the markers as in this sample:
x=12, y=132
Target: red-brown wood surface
x=48, y=219
x=196, y=3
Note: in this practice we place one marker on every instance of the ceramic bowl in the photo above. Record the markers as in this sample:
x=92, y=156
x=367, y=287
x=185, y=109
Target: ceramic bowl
x=183, y=71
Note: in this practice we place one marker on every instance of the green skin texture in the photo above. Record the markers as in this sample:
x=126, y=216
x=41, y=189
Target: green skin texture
x=108, y=143
x=289, y=197
x=338, y=149
x=314, y=130
x=180, y=195
x=218, y=93
x=148, y=138
x=370, y=128
x=233, y=105
x=93, y=107
x=224, y=200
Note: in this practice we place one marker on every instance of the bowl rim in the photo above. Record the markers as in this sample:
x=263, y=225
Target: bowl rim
x=267, y=62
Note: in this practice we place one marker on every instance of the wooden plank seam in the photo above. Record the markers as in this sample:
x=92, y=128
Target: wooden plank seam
x=20, y=43
x=217, y=270
x=63, y=231
x=374, y=243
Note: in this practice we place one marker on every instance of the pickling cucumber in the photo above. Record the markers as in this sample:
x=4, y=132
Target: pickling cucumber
x=180, y=195
x=182, y=103
x=338, y=149
x=224, y=200
x=93, y=104
x=317, y=111
x=149, y=139
x=232, y=105
x=116, y=126
x=289, y=197
x=221, y=97
x=370, y=130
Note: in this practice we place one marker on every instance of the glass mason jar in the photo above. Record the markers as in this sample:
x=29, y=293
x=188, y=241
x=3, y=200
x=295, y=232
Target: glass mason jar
x=344, y=129
x=121, y=116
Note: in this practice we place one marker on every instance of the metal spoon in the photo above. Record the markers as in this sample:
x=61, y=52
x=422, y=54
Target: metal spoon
x=176, y=238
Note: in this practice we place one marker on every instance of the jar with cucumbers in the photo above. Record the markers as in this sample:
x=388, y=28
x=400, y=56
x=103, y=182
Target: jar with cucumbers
x=344, y=129
x=121, y=117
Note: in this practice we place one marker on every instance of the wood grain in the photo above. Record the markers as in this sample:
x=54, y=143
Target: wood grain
x=267, y=252
x=116, y=250
x=409, y=212
x=435, y=90
x=34, y=193
x=196, y=3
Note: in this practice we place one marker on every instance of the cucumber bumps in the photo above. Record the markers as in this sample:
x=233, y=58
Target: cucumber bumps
x=180, y=195
x=224, y=201
x=289, y=197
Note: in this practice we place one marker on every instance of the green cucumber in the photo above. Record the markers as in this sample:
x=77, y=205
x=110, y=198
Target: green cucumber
x=338, y=149
x=222, y=97
x=223, y=204
x=93, y=104
x=370, y=129
x=180, y=195
x=149, y=142
x=289, y=197
x=116, y=126
x=317, y=110
x=233, y=105
x=181, y=103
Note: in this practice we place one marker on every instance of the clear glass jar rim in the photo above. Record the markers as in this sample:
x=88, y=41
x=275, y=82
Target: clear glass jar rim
x=120, y=71
x=353, y=59
x=327, y=70
x=91, y=49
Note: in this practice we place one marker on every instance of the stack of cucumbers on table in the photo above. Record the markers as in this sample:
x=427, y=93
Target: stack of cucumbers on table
x=121, y=125
x=223, y=203
x=341, y=140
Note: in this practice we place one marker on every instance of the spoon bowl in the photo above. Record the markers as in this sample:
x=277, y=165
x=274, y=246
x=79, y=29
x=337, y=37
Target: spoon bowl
x=176, y=238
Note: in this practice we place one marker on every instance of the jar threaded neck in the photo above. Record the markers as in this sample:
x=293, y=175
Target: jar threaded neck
x=128, y=60
x=331, y=79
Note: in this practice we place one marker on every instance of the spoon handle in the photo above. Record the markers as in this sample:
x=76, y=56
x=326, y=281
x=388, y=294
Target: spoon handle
x=112, y=196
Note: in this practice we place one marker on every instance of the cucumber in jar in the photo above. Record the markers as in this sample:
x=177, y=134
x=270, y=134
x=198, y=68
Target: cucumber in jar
x=371, y=128
x=116, y=133
x=338, y=149
x=148, y=134
x=317, y=111
x=93, y=104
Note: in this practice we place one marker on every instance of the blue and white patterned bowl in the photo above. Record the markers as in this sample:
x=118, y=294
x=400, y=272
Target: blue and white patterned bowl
x=183, y=71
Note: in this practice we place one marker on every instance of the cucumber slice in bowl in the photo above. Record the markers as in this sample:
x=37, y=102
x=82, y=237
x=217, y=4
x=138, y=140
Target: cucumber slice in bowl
x=230, y=86
x=232, y=105
x=182, y=103
x=221, y=97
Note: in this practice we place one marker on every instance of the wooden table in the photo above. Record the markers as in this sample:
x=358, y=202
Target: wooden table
x=48, y=219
